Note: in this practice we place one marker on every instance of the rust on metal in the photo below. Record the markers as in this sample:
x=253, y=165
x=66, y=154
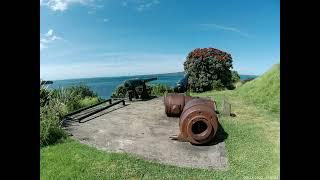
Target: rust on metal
x=198, y=121
x=174, y=103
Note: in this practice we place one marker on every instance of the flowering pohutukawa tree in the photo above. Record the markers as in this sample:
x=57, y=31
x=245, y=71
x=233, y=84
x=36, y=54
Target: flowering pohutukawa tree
x=208, y=68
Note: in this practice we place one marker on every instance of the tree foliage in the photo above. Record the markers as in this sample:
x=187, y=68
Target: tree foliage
x=208, y=68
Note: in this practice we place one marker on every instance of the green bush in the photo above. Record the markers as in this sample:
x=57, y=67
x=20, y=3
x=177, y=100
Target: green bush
x=188, y=92
x=235, y=77
x=160, y=89
x=119, y=92
x=55, y=104
x=44, y=96
x=88, y=101
x=217, y=85
x=81, y=91
x=208, y=68
x=50, y=122
x=153, y=90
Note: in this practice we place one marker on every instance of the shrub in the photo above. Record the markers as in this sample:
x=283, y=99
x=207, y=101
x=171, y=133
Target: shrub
x=154, y=90
x=44, y=95
x=160, y=89
x=88, y=101
x=217, y=85
x=188, y=92
x=81, y=91
x=235, y=77
x=55, y=104
x=119, y=92
x=208, y=67
x=73, y=96
x=50, y=122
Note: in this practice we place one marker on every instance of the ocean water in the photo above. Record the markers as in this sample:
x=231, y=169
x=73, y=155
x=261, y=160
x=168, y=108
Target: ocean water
x=104, y=86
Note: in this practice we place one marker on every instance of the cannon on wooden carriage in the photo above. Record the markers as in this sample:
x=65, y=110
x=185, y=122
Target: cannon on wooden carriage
x=137, y=87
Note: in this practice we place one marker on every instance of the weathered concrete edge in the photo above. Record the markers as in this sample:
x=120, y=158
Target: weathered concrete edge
x=223, y=157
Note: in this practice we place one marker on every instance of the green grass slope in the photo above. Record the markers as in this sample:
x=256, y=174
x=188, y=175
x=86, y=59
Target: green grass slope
x=263, y=91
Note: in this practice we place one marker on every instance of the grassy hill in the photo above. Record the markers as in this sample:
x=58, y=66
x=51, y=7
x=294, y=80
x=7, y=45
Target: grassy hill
x=263, y=91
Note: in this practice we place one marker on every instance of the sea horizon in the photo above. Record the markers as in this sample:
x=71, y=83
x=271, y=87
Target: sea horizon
x=121, y=76
x=104, y=86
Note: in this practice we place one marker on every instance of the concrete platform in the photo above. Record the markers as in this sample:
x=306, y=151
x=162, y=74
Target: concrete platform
x=143, y=129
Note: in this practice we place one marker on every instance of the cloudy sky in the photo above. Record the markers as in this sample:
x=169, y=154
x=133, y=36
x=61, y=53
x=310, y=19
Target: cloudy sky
x=98, y=38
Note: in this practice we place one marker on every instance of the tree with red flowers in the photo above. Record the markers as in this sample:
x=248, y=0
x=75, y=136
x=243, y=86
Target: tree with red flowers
x=208, y=68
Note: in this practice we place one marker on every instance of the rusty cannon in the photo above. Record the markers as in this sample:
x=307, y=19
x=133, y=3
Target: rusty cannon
x=174, y=103
x=198, y=120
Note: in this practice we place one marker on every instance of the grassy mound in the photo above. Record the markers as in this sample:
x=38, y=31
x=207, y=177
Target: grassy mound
x=263, y=91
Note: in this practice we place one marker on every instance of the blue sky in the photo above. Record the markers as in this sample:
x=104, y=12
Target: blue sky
x=100, y=38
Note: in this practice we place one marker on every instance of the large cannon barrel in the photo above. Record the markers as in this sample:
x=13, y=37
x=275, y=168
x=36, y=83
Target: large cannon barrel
x=174, y=103
x=150, y=79
x=132, y=83
x=198, y=121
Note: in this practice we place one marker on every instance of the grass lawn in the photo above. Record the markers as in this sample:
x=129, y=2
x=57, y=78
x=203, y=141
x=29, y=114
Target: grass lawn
x=252, y=149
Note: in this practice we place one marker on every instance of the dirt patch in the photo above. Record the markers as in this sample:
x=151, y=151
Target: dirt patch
x=143, y=129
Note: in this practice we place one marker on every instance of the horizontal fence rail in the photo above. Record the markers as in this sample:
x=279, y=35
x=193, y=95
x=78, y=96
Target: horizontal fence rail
x=99, y=110
x=82, y=109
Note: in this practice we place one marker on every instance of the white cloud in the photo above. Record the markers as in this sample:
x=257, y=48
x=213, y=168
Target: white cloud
x=62, y=5
x=42, y=46
x=49, y=33
x=115, y=64
x=140, y=5
x=55, y=38
x=225, y=28
x=44, y=41
x=147, y=4
x=48, y=38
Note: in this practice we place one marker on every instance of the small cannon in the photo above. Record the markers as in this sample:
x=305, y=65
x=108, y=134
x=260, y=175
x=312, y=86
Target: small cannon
x=198, y=119
x=136, y=87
